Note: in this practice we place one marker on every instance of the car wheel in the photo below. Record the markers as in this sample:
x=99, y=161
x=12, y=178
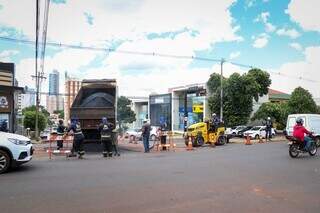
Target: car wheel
x=256, y=137
x=4, y=161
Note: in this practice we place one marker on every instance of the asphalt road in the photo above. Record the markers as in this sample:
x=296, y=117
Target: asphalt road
x=231, y=178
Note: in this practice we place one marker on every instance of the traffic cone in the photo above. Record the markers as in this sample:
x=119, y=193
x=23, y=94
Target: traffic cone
x=190, y=147
x=260, y=140
x=247, y=141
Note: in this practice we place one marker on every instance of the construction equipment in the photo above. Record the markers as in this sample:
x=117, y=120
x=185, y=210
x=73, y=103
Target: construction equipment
x=206, y=133
x=96, y=99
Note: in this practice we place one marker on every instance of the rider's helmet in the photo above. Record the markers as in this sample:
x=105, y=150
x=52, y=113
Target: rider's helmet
x=299, y=120
x=269, y=118
x=214, y=114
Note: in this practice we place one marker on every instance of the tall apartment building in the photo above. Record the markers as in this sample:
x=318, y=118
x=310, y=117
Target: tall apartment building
x=72, y=86
x=54, y=83
x=54, y=100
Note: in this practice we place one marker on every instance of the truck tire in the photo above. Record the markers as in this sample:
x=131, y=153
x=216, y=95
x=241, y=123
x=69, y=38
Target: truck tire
x=4, y=161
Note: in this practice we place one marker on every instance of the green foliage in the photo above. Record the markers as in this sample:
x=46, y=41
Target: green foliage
x=30, y=120
x=124, y=112
x=33, y=108
x=277, y=111
x=301, y=101
x=60, y=113
x=238, y=95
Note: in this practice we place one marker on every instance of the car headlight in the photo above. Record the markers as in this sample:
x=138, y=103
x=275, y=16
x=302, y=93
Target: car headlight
x=18, y=142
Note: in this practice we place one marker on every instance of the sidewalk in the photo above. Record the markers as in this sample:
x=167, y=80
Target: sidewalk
x=242, y=140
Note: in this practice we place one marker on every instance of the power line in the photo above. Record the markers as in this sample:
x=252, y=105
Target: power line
x=112, y=50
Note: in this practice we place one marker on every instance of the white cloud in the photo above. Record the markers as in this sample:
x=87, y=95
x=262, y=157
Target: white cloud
x=263, y=17
x=306, y=69
x=234, y=55
x=5, y=56
x=270, y=27
x=67, y=60
x=292, y=33
x=123, y=20
x=296, y=46
x=261, y=41
x=305, y=13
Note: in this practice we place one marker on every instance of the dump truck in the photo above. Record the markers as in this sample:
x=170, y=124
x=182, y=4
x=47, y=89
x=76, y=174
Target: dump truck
x=95, y=99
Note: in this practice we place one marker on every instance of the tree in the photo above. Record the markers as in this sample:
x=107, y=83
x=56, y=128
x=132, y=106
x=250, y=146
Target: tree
x=60, y=113
x=238, y=96
x=42, y=111
x=277, y=111
x=30, y=120
x=301, y=101
x=124, y=112
x=33, y=108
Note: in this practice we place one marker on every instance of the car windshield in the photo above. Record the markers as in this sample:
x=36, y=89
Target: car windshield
x=256, y=128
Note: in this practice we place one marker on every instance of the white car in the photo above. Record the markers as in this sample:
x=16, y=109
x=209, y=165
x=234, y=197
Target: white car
x=258, y=132
x=133, y=133
x=237, y=129
x=14, y=150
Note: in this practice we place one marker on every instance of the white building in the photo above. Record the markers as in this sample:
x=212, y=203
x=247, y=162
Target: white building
x=26, y=99
x=140, y=106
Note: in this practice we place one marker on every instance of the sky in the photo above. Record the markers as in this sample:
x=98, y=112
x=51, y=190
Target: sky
x=280, y=37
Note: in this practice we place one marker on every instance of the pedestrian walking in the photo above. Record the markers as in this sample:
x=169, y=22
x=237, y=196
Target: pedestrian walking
x=60, y=131
x=105, y=129
x=78, y=139
x=146, y=135
x=268, y=124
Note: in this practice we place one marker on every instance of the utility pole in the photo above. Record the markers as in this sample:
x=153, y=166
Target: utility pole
x=36, y=70
x=221, y=89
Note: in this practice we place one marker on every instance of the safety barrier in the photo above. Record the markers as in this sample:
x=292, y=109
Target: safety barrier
x=64, y=151
x=168, y=146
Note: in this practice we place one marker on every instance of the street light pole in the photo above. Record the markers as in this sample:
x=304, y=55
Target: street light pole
x=221, y=89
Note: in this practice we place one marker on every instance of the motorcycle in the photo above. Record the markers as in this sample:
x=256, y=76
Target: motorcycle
x=296, y=146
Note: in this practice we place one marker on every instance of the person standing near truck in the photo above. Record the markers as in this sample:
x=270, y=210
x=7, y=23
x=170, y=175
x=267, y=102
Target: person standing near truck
x=60, y=130
x=105, y=129
x=78, y=139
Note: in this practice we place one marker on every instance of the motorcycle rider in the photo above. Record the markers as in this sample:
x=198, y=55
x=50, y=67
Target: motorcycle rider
x=105, y=129
x=299, y=132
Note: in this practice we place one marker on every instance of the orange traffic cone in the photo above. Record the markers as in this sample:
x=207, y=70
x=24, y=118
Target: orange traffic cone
x=247, y=141
x=189, y=147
